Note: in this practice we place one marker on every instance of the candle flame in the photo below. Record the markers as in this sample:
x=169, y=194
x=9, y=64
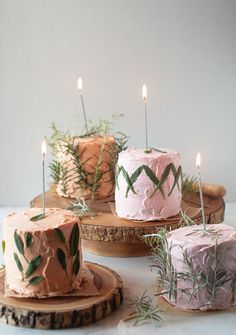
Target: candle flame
x=144, y=92
x=198, y=160
x=80, y=84
x=44, y=148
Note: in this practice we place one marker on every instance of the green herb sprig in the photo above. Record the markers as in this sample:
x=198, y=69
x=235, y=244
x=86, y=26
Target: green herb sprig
x=81, y=209
x=144, y=310
x=189, y=185
x=62, y=175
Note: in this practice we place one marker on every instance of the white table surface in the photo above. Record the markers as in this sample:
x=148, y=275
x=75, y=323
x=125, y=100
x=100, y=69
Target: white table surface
x=137, y=277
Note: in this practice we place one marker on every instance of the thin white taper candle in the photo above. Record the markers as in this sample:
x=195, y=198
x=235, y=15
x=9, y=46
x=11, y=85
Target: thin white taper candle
x=80, y=87
x=43, y=166
x=198, y=163
x=144, y=93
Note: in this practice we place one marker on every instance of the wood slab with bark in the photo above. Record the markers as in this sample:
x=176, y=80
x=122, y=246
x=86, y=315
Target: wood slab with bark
x=108, y=235
x=64, y=312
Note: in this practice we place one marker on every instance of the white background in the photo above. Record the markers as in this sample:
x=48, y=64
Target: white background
x=184, y=50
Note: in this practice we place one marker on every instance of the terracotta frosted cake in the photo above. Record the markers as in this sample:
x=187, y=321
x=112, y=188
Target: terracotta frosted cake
x=200, y=267
x=86, y=167
x=148, y=184
x=43, y=258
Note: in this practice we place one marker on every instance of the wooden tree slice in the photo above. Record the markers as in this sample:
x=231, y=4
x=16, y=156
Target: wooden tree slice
x=108, y=235
x=64, y=312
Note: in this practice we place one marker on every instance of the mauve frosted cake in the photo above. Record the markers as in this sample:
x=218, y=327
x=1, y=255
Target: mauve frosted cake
x=43, y=258
x=148, y=184
x=200, y=267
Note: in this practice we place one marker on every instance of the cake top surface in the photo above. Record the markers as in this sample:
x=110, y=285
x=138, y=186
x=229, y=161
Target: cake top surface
x=139, y=153
x=55, y=217
x=193, y=236
x=93, y=138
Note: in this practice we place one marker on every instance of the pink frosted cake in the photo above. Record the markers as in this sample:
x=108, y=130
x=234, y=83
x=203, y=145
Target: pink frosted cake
x=200, y=267
x=148, y=184
x=43, y=258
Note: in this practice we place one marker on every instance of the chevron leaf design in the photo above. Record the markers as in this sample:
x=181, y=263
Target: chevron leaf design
x=157, y=183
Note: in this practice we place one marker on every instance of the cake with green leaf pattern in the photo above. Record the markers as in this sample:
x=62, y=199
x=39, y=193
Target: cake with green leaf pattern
x=42, y=253
x=148, y=184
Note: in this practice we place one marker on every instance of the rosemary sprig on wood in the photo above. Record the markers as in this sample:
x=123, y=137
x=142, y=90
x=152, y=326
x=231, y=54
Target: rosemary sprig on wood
x=185, y=220
x=81, y=209
x=189, y=185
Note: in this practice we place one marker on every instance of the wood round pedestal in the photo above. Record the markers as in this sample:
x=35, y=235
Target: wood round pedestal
x=64, y=312
x=108, y=235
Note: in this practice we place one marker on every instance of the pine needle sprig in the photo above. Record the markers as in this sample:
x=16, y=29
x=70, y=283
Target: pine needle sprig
x=189, y=185
x=185, y=220
x=209, y=231
x=102, y=128
x=55, y=141
x=154, y=240
x=81, y=209
x=144, y=310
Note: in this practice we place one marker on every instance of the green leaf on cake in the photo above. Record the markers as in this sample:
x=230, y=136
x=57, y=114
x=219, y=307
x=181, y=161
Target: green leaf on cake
x=28, y=240
x=38, y=217
x=177, y=175
x=158, y=150
x=133, y=178
x=157, y=184
x=164, y=176
x=18, y=262
x=76, y=264
x=61, y=258
x=60, y=235
x=151, y=175
x=19, y=243
x=74, y=239
x=36, y=280
x=3, y=246
x=33, y=266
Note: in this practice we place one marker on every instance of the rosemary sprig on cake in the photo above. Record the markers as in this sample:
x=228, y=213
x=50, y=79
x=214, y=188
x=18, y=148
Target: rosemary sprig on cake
x=208, y=275
x=86, y=174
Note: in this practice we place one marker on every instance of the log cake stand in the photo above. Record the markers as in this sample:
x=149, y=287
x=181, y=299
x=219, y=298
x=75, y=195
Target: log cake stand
x=107, y=235
x=64, y=312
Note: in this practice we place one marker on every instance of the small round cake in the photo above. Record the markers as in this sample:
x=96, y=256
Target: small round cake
x=86, y=167
x=42, y=256
x=200, y=267
x=148, y=184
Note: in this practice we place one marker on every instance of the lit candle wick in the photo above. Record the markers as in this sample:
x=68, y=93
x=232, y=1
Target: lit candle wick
x=144, y=93
x=198, y=163
x=44, y=149
x=80, y=87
